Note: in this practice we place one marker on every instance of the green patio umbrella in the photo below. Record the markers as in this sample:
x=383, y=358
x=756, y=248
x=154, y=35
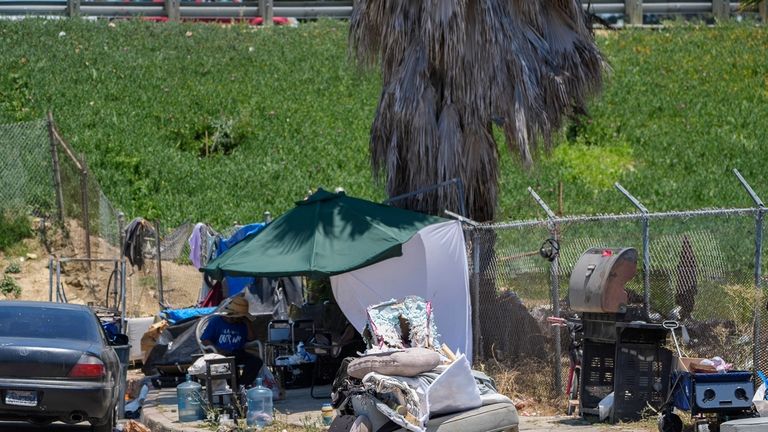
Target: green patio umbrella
x=324, y=235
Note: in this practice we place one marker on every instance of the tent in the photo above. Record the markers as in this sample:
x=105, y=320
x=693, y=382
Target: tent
x=372, y=252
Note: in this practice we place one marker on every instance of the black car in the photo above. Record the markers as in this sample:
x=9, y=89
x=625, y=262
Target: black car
x=56, y=363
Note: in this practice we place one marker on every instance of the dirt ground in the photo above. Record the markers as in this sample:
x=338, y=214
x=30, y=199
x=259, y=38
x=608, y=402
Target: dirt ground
x=85, y=284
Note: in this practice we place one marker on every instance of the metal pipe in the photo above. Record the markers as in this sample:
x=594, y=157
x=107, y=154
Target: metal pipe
x=121, y=231
x=550, y=214
x=459, y=188
x=758, y=265
x=748, y=188
x=160, y=296
x=461, y=218
x=646, y=249
x=93, y=260
x=477, y=342
x=58, y=281
x=759, y=286
x=462, y=200
x=300, y=9
x=621, y=217
x=554, y=283
x=56, y=171
x=50, y=278
x=86, y=209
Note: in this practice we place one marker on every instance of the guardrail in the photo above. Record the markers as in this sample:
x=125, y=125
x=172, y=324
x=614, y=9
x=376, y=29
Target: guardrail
x=632, y=12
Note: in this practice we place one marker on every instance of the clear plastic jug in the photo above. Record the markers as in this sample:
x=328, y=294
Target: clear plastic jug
x=188, y=396
x=259, y=405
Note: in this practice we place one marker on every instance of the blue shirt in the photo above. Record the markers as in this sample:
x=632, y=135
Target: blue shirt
x=226, y=336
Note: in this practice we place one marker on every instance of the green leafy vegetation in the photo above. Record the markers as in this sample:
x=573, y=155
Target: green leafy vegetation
x=13, y=267
x=201, y=122
x=14, y=227
x=9, y=287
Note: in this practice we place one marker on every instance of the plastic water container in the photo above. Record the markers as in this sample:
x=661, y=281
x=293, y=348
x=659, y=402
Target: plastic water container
x=327, y=413
x=259, y=405
x=188, y=398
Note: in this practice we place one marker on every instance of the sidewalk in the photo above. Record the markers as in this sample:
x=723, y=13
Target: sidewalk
x=159, y=412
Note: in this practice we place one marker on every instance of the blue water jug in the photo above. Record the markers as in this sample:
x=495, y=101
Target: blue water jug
x=259, y=405
x=188, y=396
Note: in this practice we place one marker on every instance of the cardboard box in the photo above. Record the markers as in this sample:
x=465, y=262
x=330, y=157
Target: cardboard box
x=692, y=364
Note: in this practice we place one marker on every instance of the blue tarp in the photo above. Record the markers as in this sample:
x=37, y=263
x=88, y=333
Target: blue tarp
x=238, y=236
x=237, y=284
x=174, y=316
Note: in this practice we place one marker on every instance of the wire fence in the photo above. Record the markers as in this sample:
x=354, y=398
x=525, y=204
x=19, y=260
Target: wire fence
x=25, y=168
x=697, y=267
x=703, y=268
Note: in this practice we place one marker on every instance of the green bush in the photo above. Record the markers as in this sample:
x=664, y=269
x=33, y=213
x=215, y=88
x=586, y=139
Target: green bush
x=14, y=268
x=9, y=287
x=14, y=227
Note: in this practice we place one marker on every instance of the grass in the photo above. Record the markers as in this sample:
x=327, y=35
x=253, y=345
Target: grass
x=14, y=228
x=219, y=123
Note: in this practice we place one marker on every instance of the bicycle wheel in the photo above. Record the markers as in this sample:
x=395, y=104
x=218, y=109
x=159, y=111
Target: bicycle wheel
x=573, y=395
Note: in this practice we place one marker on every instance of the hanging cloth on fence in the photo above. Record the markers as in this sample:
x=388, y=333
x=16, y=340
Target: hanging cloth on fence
x=196, y=245
x=135, y=234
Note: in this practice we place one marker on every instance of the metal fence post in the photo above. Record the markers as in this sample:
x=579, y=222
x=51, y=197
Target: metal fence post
x=554, y=281
x=646, y=249
x=50, y=278
x=173, y=10
x=56, y=171
x=477, y=343
x=266, y=11
x=73, y=8
x=121, y=265
x=721, y=9
x=758, y=265
x=633, y=10
x=160, y=296
x=86, y=211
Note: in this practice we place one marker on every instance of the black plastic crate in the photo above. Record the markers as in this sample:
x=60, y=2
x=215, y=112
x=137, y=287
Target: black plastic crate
x=642, y=379
x=600, y=327
x=641, y=333
x=597, y=375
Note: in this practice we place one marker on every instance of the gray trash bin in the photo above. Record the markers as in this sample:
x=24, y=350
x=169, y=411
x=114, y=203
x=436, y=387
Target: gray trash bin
x=123, y=354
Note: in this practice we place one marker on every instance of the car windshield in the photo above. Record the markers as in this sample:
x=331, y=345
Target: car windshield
x=45, y=322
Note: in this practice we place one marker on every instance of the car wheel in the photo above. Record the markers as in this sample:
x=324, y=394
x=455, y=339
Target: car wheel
x=108, y=424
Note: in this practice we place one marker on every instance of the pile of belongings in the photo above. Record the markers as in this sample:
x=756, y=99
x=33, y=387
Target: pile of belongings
x=406, y=377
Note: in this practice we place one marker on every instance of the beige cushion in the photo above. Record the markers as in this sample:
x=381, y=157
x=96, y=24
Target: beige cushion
x=407, y=363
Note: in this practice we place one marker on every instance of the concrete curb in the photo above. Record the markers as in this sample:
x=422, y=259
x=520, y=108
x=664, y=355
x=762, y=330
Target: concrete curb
x=157, y=420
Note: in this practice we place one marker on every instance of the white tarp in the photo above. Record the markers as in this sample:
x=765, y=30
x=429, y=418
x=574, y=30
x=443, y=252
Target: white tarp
x=135, y=329
x=433, y=266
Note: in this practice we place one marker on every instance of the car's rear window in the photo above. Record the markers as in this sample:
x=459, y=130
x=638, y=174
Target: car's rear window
x=45, y=322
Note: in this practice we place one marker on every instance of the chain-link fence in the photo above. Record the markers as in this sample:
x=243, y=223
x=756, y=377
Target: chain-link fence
x=25, y=168
x=42, y=176
x=696, y=267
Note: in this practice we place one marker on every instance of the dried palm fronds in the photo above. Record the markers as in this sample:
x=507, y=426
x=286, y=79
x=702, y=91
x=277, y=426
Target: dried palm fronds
x=452, y=67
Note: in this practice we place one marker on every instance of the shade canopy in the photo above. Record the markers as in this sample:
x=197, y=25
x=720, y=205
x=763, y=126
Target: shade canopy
x=326, y=234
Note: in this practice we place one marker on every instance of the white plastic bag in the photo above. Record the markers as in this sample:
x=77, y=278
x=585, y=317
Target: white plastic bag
x=759, y=393
x=454, y=390
x=198, y=369
x=605, y=407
